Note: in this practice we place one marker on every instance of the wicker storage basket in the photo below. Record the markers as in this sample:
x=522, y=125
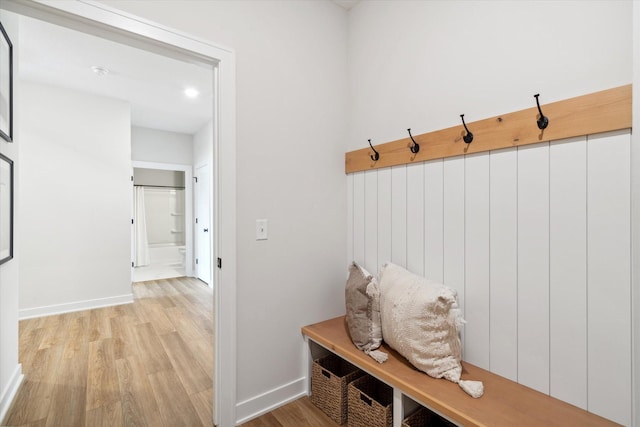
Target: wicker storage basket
x=420, y=418
x=425, y=418
x=330, y=376
x=370, y=403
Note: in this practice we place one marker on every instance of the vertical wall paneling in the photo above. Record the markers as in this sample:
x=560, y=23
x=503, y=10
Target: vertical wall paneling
x=358, y=217
x=504, y=262
x=568, y=271
x=384, y=217
x=350, y=218
x=608, y=297
x=399, y=215
x=533, y=267
x=433, y=220
x=536, y=240
x=477, y=290
x=371, y=221
x=415, y=218
x=453, y=227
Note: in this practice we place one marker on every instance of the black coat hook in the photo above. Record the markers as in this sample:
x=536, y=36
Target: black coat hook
x=376, y=156
x=543, y=121
x=469, y=136
x=415, y=147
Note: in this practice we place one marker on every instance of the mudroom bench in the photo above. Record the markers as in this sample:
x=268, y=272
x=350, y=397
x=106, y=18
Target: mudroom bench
x=504, y=403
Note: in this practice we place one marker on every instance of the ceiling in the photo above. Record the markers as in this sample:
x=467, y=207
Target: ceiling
x=153, y=84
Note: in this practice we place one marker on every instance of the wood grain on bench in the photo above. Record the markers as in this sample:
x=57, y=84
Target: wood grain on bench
x=504, y=403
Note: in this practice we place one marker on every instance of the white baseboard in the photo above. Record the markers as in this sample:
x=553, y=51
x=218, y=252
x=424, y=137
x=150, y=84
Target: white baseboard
x=10, y=391
x=28, y=313
x=267, y=402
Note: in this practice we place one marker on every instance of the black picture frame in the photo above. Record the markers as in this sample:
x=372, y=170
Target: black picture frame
x=6, y=86
x=6, y=209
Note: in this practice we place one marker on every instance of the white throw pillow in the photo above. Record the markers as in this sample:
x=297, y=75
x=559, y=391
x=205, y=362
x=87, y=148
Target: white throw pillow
x=421, y=321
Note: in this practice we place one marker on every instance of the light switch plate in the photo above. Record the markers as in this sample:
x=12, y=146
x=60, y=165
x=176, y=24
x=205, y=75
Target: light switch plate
x=261, y=229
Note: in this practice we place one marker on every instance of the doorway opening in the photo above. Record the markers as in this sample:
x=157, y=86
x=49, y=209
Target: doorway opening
x=162, y=216
x=112, y=24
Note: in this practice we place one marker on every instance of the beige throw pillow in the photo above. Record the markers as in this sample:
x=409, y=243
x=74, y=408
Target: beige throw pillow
x=363, y=311
x=421, y=321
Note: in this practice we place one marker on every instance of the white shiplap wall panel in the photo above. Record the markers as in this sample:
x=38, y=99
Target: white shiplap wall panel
x=504, y=263
x=433, y=220
x=399, y=215
x=533, y=267
x=371, y=221
x=415, y=218
x=536, y=241
x=453, y=248
x=384, y=217
x=476, y=341
x=568, y=271
x=358, y=217
x=609, y=296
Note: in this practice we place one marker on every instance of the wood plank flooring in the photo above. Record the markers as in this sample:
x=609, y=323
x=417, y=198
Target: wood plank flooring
x=149, y=363
x=299, y=413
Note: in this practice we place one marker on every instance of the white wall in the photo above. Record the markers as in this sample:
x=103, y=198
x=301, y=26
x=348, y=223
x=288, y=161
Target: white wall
x=420, y=64
x=75, y=200
x=10, y=370
x=158, y=146
x=536, y=239
x=291, y=128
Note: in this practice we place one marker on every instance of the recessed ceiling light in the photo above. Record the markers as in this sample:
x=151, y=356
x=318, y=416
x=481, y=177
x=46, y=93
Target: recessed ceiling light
x=101, y=71
x=191, y=92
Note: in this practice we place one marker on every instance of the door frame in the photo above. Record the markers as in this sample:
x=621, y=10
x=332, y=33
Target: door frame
x=188, y=207
x=108, y=22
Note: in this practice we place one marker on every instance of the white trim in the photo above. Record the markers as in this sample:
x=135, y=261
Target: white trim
x=10, y=391
x=225, y=246
x=398, y=407
x=68, y=307
x=96, y=17
x=270, y=400
x=188, y=205
x=157, y=165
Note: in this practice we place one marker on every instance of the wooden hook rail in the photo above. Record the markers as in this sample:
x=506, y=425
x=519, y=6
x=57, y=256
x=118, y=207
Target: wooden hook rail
x=597, y=112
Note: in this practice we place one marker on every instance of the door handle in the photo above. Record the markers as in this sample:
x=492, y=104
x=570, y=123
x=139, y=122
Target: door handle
x=206, y=230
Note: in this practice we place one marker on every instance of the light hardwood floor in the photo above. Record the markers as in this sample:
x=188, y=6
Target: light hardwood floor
x=300, y=413
x=149, y=363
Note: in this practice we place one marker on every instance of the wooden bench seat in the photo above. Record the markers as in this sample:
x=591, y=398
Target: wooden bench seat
x=504, y=403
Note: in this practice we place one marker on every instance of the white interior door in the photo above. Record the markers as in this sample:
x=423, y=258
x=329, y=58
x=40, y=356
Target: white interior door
x=203, y=225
